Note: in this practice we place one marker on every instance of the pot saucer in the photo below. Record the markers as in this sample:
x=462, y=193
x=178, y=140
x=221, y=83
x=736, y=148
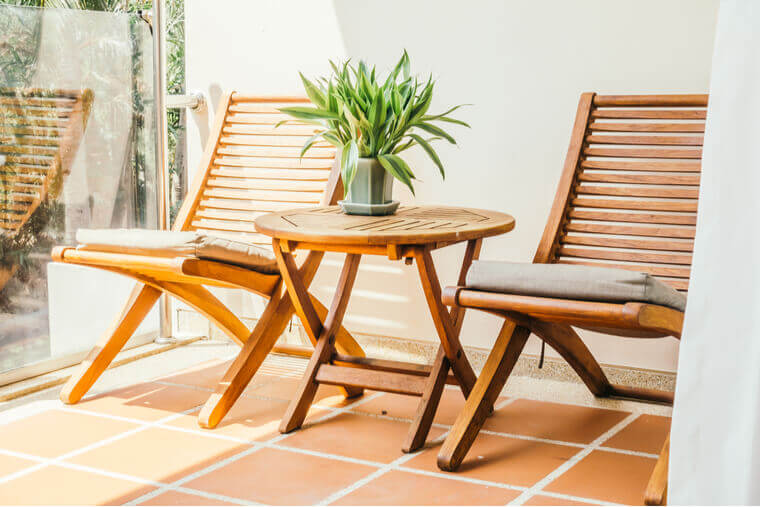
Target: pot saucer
x=354, y=208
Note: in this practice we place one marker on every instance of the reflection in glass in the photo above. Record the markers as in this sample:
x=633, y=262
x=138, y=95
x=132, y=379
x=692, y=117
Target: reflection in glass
x=76, y=150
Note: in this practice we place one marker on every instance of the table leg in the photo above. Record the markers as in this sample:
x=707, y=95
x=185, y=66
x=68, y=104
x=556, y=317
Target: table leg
x=437, y=381
x=447, y=330
x=262, y=339
x=322, y=334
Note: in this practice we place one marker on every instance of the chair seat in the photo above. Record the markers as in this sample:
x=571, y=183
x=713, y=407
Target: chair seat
x=565, y=281
x=178, y=244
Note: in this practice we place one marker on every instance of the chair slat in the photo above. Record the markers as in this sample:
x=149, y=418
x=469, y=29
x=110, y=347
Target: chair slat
x=655, y=270
x=647, y=140
x=272, y=174
x=268, y=184
x=631, y=230
x=630, y=256
x=652, y=179
x=255, y=195
x=273, y=163
x=285, y=130
x=627, y=204
x=647, y=127
x=643, y=153
x=667, y=193
x=640, y=218
x=650, y=114
x=249, y=205
x=639, y=244
x=271, y=141
x=276, y=152
x=615, y=165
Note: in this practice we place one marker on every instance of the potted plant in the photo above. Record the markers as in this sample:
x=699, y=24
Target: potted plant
x=372, y=122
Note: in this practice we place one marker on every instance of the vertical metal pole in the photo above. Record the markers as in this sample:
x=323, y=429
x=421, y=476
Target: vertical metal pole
x=162, y=158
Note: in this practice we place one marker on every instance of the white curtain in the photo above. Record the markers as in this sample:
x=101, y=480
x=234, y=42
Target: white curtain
x=715, y=450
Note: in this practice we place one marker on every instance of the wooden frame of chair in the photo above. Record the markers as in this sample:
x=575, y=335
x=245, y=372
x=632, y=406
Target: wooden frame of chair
x=627, y=198
x=40, y=133
x=249, y=168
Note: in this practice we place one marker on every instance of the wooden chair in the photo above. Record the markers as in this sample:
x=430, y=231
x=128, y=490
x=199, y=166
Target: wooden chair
x=249, y=168
x=40, y=132
x=627, y=198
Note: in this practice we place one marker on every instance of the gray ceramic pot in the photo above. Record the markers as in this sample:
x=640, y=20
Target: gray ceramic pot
x=372, y=184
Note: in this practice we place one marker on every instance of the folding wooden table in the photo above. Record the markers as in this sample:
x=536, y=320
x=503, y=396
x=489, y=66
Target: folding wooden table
x=410, y=234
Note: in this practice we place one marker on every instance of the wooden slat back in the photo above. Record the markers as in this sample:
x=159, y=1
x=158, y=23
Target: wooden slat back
x=254, y=167
x=40, y=132
x=628, y=194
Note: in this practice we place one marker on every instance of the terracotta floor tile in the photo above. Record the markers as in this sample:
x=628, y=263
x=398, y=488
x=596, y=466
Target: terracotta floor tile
x=502, y=459
x=179, y=498
x=55, y=485
x=646, y=433
x=355, y=436
x=405, y=407
x=285, y=389
x=608, y=476
x=148, y=402
x=555, y=421
x=405, y=488
x=250, y=419
x=11, y=464
x=55, y=432
x=207, y=375
x=159, y=454
x=550, y=500
x=278, y=477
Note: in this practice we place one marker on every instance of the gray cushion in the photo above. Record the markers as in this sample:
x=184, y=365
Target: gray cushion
x=566, y=281
x=178, y=243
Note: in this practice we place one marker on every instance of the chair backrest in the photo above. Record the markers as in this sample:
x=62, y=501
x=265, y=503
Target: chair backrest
x=628, y=195
x=40, y=131
x=252, y=167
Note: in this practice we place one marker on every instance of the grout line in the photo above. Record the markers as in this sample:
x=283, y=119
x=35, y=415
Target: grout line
x=254, y=446
x=567, y=465
x=272, y=443
x=58, y=460
x=393, y=465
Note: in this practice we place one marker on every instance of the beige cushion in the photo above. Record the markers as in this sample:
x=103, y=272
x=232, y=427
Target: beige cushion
x=565, y=281
x=178, y=243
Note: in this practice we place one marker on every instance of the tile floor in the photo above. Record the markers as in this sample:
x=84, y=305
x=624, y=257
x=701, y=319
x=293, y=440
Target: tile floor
x=140, y=445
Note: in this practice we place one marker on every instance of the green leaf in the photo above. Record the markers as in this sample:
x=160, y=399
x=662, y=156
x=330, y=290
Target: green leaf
x=398, y=168
x=446, y=119
x=309, y=142
x=396, y=102
x=309, y=113
x=436, y=131
x=348, y=160
x=332, y=139
x=430, y=151
x=313, y=91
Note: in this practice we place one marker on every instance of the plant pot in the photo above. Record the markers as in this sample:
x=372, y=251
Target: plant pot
x=370, y=192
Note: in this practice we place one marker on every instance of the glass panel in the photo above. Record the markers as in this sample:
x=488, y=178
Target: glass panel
x=77, y=137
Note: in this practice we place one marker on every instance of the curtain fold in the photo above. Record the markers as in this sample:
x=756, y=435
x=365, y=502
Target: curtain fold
x=715, y=443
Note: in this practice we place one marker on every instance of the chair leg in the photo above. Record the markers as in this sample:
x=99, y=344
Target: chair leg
x=273, y=321
x=501, y=361
x=569, y=345
x=657, y=489
x=428, y=404
x=140, y=301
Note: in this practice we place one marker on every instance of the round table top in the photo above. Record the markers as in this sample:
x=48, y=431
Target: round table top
x=410, y=225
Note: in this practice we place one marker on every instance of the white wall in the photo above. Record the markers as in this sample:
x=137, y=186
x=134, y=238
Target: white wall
x=522, y=64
